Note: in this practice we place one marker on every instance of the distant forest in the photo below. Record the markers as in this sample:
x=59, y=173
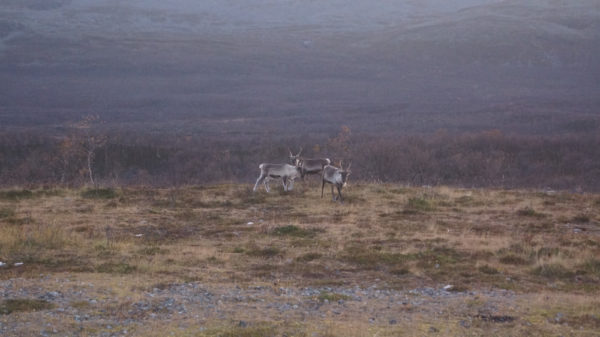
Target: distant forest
x=478, y=159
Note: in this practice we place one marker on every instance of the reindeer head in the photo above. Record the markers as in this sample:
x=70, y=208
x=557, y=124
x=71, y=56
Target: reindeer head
x=295, y=159
x=344, y=173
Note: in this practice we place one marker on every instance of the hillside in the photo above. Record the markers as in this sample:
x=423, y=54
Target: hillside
x=401, y=66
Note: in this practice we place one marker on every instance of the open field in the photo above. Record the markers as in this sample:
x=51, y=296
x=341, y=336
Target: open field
x=223, y=261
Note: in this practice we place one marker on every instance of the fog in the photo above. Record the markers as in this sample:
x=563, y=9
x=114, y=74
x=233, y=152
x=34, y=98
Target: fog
x=302, y=66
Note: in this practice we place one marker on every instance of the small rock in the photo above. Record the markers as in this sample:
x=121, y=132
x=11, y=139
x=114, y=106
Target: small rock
x=448, y=287
x=393, y=322
x=2, y=264
x=250, y=223
x=243, y=324
x=559, y=316
x=464, y=324
x=17, y=264
x=433, y=329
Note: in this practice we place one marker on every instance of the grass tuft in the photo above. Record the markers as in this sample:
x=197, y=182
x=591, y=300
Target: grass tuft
x=116, y=268
x=152, y=250
x=419, y=204
x=488, y=270
x=6, y=213
x=530, y=212
x=553, y=271
x=267, y=252
x=292, y=230
x=371, y=258
x=513, y=259
x=242, y=329
x=309, y=257
x=581, y=218
x=592, y=267
x=332, y=297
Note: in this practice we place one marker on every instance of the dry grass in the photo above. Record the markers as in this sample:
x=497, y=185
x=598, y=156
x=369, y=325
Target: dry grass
x=395, y=236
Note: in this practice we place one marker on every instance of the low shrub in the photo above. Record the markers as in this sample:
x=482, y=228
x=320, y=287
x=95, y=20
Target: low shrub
x=116, y=268
x=23, y=305
x=15, y=195
x=99, y=193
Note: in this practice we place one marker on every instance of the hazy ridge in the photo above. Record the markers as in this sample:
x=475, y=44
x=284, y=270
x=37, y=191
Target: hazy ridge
x=414, y=66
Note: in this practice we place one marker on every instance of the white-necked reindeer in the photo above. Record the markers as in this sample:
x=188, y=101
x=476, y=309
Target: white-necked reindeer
x=336, y=177
x=308, y=166
x=286, y=172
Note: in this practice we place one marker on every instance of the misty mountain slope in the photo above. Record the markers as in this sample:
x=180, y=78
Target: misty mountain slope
x=509, y=34
x=409, y=66
x=191, y=16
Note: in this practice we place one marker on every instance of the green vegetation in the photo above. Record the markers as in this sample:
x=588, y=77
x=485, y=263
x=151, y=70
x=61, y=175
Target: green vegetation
x=292, y=230
x=6, y=213
x=15, y=195
x=419, y=204
x=488, y=270
x=530, y=212
x=332, y=297
x=267, y=252
x=370, y=258
x=309, y=257
x=99, y=193
x=581, y=218
x=23, y=305
x=513, y=259
x=553, y=271
x=115, y=268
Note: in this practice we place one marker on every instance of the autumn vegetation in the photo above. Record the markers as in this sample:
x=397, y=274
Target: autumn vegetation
x=87, y=154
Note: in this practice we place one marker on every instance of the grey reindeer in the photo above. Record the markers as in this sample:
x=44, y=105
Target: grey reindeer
x=286, y=172
x=308, y=165
x=337, y=177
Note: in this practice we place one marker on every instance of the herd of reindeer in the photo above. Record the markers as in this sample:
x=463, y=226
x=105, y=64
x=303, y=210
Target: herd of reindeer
x=300, y=167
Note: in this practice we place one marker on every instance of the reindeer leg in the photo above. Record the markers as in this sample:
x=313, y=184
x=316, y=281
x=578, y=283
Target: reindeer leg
x=340, y=194
x=291, y=184
x=322, y=187
x=258, y=181
x=333, y=194
x=266, y=183
x=284, y=181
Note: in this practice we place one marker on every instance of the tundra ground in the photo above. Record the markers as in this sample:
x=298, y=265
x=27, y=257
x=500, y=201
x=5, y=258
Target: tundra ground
x=224, y=261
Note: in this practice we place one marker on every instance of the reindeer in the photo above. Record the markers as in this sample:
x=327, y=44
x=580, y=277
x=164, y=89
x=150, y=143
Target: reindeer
x=335, y=176
x=308, y=166
x=286, y=172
